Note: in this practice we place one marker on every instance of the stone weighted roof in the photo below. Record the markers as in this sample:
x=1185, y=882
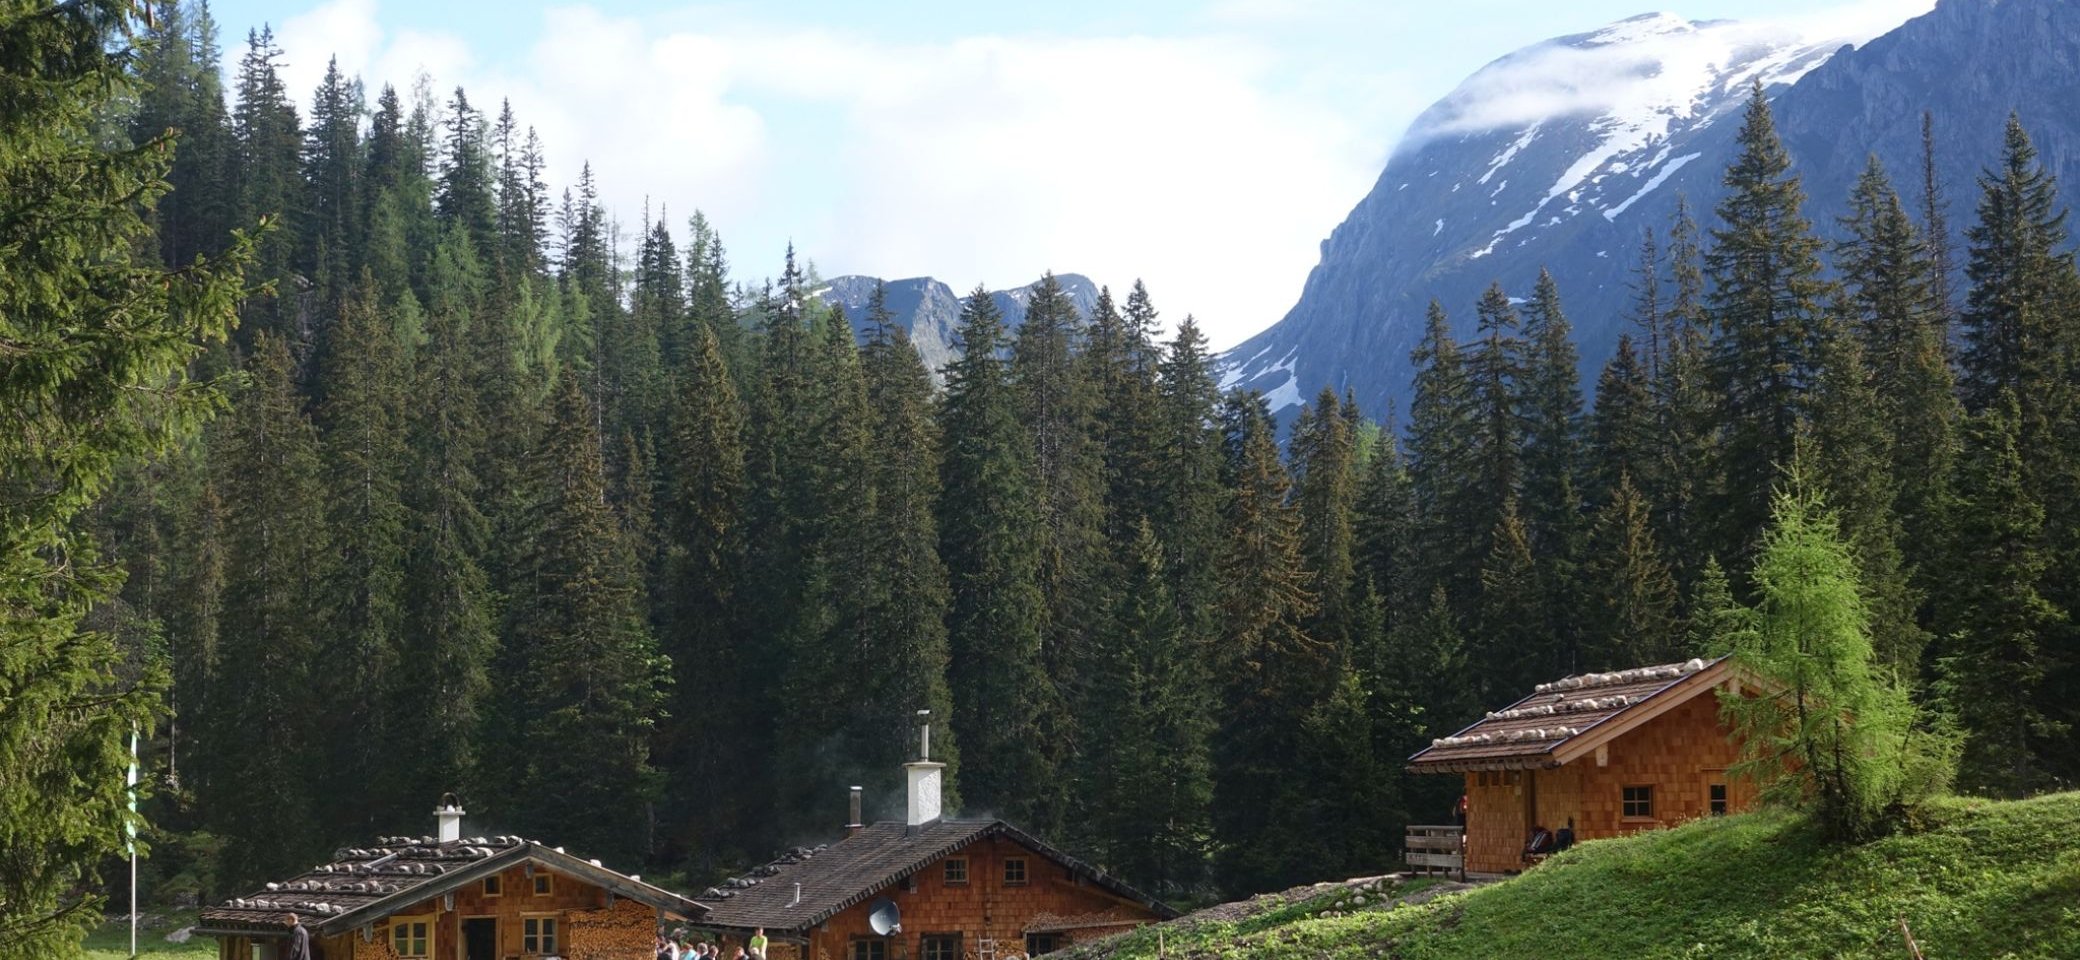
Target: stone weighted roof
x=1559, y=717
x=363, y=884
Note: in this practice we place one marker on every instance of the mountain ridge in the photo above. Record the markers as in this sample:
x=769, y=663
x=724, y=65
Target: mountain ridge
x=1492, y=184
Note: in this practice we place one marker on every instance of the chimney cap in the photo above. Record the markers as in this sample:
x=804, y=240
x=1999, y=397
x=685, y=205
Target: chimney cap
x=449, y=803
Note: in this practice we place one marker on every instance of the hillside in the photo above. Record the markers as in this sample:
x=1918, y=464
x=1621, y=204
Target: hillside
x=1980, y=879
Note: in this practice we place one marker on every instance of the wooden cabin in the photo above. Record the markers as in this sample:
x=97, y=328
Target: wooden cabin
x=960, y=890
x=1605, y=754
x=444, y=897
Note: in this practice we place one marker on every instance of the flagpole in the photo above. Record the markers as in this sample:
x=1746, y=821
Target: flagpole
x=130, y=826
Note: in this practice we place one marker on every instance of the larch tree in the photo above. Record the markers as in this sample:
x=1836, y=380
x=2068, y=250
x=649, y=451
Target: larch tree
x=1826, y=729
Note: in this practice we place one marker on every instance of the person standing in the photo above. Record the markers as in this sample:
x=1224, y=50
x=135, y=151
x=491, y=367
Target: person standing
x=758, y=944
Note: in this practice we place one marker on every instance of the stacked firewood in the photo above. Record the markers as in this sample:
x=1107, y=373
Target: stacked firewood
x=625, y=931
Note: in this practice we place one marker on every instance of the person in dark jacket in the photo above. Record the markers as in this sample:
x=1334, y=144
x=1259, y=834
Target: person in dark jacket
x=299, y=946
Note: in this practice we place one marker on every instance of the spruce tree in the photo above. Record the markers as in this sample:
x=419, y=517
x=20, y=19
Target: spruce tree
x=450, y=616
x=364, y=455
x=989, y=539
x=1442, y=465
x=1515, y=646
x=99, y=345
x=1993, y=619
x=1383, y=525
x=1634, y=615
x=1056, y=402
x=1324, y=455
x=581, y=673
x=1854, y=469
x=268, y=187
x=906, y=617
x=277, y=561
x=332, y=170
x=1149, y=773
x=1765, y=302
x=1685, y=477
x=701, y=516
x=1895, y=302
x=1186, y=482
x=1550, y=403
x=1269, y=670
x=1622, y=434
x=1495, y=371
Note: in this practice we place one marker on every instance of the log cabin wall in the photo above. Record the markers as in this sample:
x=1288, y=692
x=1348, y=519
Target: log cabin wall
x=1678, y=756
x=985, y=907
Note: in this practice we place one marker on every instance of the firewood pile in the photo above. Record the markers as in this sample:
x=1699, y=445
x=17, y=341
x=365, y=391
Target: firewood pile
x=625, y=931
x=374, y=948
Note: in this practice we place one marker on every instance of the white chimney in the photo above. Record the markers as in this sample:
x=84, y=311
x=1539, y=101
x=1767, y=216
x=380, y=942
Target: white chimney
x=449, y=818
x=925, y=779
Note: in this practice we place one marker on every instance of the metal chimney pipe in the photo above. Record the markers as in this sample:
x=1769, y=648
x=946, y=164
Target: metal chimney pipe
x=855, y=825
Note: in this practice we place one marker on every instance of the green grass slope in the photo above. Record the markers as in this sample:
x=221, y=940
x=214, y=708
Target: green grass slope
x=1976, y=879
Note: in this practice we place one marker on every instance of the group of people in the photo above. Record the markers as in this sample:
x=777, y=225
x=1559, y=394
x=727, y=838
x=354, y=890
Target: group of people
x=678, y=946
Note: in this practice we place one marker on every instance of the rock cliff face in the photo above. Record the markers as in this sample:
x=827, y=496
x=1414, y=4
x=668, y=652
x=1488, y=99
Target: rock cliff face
x=931, y=311
x=1560, y=155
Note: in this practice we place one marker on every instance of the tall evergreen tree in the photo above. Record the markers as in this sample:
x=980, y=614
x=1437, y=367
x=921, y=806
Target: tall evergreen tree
x=1186, y=481
x=989, y=539
x=1993, y=620
x=276, y=564
x=266, y=171
x=581, y=670
x=1550, y=402
x=1622, y=432
x=1766, y=294
x=1896, y=307
x=450, y=619
x=1324, y=464
x=701, y=519
x=1634, y=614
x=363, y=424
x=332, y=169
x=1270, y=671
x=906, y=616
x=94, y=375
x=1442, y=465
x=1149, y=774
x=1056, y=402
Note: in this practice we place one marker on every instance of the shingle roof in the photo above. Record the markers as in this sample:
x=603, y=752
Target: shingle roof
x=1558, y=716
x=362, y=884
x=840, y=875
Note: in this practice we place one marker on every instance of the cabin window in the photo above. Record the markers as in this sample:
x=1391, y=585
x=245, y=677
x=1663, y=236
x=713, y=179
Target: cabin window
x=538, y=935
x=411, y=936
x=1039, y=943
x=494, y=885
x=1014, y=871
x=956, y=871
x=940, y=946
x=869, y=949
x=1639, y=802
x=1718, y=799
x=544, y=884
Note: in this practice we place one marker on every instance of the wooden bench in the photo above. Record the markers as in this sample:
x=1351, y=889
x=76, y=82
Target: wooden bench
x=1431, y=848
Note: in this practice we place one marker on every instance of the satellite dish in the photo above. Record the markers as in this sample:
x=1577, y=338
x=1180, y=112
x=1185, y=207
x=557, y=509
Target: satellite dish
x=884, y=918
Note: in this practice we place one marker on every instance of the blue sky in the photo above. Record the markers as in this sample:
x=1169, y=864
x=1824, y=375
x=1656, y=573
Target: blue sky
x=1207, y=146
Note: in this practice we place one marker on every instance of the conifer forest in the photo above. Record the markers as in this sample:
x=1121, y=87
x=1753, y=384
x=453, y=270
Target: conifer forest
x=353, y=463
